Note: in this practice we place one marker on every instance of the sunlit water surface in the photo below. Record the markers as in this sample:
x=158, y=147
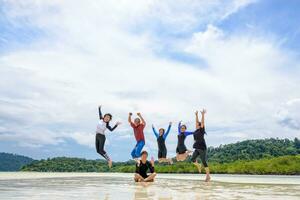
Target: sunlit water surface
x=72, y=186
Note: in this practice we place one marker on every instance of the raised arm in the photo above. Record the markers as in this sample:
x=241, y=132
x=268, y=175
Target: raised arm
x=187, y=133
x=129, y=118
x=203, y=112
x=197, y=120
x=112, y=128
x=151, y=167
x=168, y=130
x=143, y=121
x=154, y=131
x=179, y=126
x=100, y=113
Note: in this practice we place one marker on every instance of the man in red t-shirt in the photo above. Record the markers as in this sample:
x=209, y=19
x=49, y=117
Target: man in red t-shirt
x=138, y=129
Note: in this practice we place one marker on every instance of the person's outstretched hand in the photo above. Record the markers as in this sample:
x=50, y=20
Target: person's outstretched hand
x=130, y=114
x=152, y=161
x=170, y=123
x=203, y=111
x=196, y=113
x=138, y=114
x=119, y=123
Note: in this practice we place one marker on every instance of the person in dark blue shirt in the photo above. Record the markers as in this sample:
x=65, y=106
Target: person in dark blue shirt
x=181, y=151
x=161, y=138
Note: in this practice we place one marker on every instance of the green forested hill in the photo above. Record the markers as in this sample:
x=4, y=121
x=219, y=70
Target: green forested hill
x=13, y=162
x=269, y=156
x=285, y=165
x=253, y=150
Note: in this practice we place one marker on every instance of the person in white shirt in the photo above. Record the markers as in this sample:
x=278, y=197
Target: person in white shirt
x=100, y=134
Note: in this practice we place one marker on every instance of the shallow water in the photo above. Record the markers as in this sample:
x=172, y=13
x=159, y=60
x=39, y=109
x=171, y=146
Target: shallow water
x=167, y=186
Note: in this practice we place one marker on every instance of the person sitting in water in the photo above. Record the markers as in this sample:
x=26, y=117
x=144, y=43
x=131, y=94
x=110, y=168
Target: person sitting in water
x=200, y=145
x=142, y=167
x=162, y=149
x=181, y=151
x=138, y=129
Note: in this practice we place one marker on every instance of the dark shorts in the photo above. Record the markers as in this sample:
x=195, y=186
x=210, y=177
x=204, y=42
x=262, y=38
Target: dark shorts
x=181, y=149
x=162, y=153
x=202, y=154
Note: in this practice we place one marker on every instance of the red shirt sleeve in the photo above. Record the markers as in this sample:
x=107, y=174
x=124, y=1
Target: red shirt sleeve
x=132, y=125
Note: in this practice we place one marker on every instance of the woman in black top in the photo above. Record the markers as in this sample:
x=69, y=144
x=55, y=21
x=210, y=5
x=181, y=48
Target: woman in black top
x=142, y=167
x=181, y=151
x=161, y=137
x=200, y=145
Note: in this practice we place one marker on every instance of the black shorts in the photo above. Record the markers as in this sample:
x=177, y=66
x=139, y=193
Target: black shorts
x=202, y=154
x=181, y=149
x=162, y=153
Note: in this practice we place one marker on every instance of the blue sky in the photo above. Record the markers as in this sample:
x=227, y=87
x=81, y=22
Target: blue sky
x=60, y=60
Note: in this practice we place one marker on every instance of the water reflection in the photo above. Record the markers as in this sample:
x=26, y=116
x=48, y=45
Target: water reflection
x=123, y=187
x=141, y=191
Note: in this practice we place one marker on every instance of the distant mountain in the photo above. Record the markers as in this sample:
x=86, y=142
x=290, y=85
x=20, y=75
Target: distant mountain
x=13, y=162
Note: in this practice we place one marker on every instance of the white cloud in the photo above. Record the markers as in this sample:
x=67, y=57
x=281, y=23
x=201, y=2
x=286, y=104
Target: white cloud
x=87, y=139
x=289, y=116
x=91, y=55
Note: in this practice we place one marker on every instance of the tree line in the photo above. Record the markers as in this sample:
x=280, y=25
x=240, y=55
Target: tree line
x=267, y=156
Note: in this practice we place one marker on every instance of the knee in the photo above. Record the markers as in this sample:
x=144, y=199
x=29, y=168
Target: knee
x=136, y=178
x=133, y=154
x=101, y=151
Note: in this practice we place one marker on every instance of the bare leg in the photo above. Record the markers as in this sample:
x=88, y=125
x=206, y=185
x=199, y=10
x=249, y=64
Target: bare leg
x=150, y=178
x=138, y=178
x=181, y=157
x=189, y=152
x=177, y=156
x=207, y=179
x=109, y=163
x=198, y=166
x=168, y=160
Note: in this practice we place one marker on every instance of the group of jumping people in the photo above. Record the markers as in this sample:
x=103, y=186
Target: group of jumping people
x=140, y=157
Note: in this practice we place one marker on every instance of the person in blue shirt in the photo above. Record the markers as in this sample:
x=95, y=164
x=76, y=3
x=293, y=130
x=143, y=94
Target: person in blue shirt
x=161, y=138
x=181, y=151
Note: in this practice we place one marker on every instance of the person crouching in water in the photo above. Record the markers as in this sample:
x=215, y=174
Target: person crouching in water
x=138, y=129
x=200, y=145
x=142, y=167
x=100, y=134
x=162, y=149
